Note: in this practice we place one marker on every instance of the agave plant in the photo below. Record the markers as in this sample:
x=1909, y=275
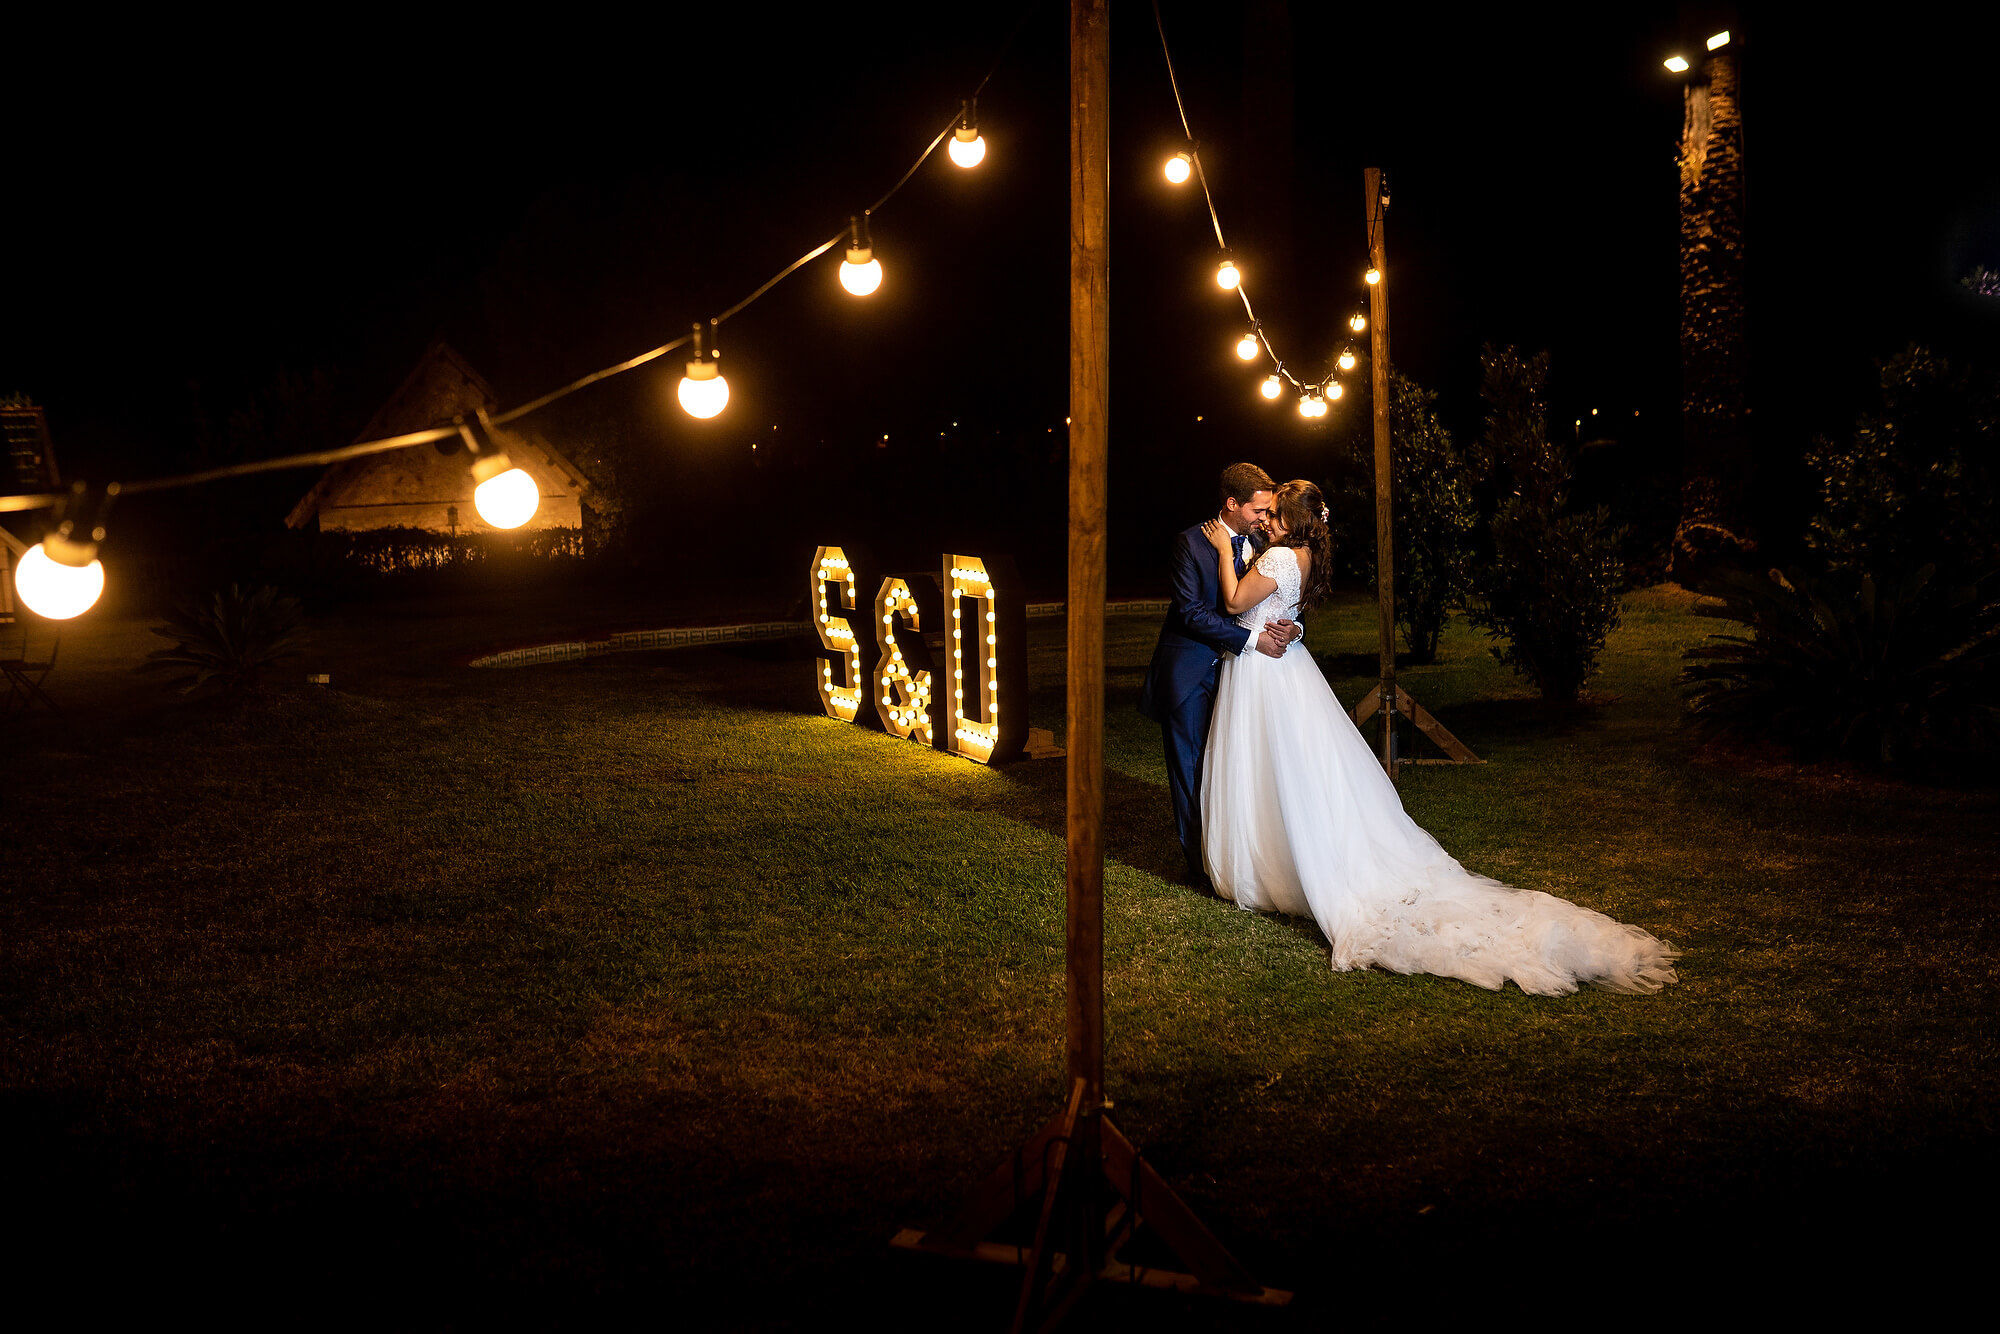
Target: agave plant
x=228, y=639
x=1841, y=663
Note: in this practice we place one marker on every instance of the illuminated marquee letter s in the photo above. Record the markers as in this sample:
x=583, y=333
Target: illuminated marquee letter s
x=842, y=701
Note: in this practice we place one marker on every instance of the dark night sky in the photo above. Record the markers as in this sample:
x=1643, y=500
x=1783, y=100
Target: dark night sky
x=187, y=218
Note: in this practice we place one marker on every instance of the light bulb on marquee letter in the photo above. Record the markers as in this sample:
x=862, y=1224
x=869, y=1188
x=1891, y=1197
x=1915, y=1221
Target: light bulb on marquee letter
x=59, y=589
x=1179, y=167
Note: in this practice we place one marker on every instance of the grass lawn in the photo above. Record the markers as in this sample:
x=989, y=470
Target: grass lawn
x=449, y=996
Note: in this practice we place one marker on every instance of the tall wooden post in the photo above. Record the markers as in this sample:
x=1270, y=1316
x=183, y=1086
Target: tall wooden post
x=1090, y=1190
x=1385, y=556
x=1089, y=408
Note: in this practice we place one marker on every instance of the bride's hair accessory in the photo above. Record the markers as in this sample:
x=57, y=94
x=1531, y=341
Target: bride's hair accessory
x=1325, y=515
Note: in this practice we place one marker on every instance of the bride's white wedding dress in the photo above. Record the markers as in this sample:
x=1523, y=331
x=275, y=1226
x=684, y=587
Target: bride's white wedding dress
x=1298, y=817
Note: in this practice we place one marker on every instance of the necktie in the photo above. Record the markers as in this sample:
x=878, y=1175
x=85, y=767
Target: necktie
x=1242, y=545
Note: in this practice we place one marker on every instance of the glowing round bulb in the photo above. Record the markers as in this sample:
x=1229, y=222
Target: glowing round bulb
x=1334, y=391
x=703, y=395
x=54, y=590
x=861, y=272
x=1347, y=361
x=1305, y=405
x=1246, y=347
x=1226, y=276
x=967, y=152
x=1358, y=323
x=509, y=500
x=1179, y=167
x=1372, y=277
x=1273, y=387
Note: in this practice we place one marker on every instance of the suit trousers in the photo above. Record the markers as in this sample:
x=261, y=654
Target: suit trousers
x=1186, y=732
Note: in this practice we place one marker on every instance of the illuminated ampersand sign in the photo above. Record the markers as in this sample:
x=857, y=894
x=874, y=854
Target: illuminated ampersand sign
x=843, y=700
x=902, y=700
x=975, y=658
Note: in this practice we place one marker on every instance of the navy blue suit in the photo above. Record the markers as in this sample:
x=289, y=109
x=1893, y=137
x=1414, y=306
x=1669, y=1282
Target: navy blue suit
x=1179, y=693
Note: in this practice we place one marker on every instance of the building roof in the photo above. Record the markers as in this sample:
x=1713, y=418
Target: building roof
x=440, y=387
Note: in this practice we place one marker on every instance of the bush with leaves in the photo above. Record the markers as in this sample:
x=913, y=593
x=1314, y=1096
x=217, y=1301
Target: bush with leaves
x=228, y=640
x=1434, y=515
x=1918, y=480
x=1550, y=589
x=1433, y=511
x=1883, y=670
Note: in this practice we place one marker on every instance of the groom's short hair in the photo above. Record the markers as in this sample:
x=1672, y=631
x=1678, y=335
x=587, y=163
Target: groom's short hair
x=1240, y=481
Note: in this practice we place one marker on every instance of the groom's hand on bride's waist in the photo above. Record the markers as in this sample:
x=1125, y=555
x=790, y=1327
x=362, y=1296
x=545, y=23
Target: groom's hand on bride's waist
x=1272, y=641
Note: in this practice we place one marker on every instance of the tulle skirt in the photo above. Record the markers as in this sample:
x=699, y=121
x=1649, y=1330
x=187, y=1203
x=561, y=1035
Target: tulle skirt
x=1298, y=818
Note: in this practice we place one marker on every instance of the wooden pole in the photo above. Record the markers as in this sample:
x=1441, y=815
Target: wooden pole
x=1385, y=571
x=1089, y=404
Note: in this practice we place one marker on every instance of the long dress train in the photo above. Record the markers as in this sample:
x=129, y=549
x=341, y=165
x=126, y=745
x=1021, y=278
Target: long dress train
x=1298, y=818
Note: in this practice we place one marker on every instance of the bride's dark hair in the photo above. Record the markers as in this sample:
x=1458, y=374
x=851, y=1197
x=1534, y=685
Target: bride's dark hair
x=1302, y=510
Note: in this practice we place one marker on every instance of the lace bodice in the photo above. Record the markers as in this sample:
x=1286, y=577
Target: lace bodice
x=1281, y=564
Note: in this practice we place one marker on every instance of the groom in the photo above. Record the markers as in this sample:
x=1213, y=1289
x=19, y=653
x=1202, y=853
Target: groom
x=1180, y=685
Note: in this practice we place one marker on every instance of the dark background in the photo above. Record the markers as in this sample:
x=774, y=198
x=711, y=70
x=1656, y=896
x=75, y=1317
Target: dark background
x=199, y=209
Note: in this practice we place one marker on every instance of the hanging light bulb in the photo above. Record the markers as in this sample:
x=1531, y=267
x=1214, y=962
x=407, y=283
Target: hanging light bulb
x=1179, y=167
x=703, y=391
x=1226, y=275
x=1358, y=323
x=1334, y=390
x=1373, y=276
x=60, y=576
x=506, y=499
x=1248, y=346
x=504, y=495
x=967, y=146
x=860, y=272
x=56, y=589
x=1273, y=387
x=1306, y=405
x=1346, y=361
x=1678, y=64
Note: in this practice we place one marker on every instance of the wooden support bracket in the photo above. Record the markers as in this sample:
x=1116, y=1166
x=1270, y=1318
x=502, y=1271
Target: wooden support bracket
x=1456, y=751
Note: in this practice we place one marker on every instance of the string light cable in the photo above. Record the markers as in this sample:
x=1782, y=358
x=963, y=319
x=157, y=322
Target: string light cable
x=1228, y=275
x=502, y=491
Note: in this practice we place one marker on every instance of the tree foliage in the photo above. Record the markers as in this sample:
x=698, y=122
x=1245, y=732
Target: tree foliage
x=1917, y=481
x=1434, y=516
x=1549, y=591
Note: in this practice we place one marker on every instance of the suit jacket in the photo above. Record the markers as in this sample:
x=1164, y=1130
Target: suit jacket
x=1196, y=633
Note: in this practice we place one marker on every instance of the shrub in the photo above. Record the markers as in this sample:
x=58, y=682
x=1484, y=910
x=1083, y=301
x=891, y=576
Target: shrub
x=1434, y=516
x=1843, y=663
x=1433, y=512
x=1550, y=587
x=1916, y=481
x=228, y=640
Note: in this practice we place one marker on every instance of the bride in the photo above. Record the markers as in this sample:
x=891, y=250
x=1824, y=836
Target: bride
x=1298, y=817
